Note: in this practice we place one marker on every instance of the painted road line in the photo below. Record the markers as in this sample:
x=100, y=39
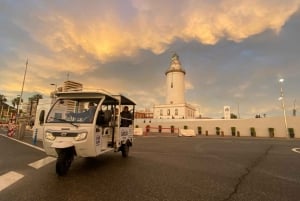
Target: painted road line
x=35, y=147
x=41, y=163
x=9, y=178
x=297, y=150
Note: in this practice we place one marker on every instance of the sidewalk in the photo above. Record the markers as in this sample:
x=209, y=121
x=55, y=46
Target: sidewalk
x=26, y=137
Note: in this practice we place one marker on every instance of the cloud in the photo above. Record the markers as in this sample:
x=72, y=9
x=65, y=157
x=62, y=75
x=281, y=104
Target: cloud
x=111, y=32
x=116, y=43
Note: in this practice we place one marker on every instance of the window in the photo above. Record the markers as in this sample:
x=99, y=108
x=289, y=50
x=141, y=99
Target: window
x=161, y=112
x=168, y=112
x=176, y=112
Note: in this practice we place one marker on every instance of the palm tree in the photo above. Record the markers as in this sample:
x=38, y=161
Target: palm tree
x=2, y=99
x=35, y=98
x=16, y=101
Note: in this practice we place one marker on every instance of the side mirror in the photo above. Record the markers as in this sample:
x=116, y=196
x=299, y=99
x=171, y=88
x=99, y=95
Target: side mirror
x=42, y=117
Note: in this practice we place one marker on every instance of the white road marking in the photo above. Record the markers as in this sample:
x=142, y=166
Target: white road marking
x=33, y=146
x=9, y=178
x=40, y=163
x=297, y=150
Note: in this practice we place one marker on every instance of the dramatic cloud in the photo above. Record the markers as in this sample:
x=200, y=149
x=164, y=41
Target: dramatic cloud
x=84, y=38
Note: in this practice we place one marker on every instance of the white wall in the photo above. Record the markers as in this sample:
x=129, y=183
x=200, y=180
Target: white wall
x=261, y=125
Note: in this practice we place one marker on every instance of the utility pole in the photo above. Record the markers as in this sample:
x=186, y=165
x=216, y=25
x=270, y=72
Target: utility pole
x=281, y=98
x=20, y=100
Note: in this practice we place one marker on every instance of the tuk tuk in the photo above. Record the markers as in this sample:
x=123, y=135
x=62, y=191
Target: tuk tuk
x=87, y=124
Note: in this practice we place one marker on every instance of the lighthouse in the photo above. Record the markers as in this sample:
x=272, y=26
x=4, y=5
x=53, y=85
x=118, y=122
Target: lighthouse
x=175, y=106
x=175, y=82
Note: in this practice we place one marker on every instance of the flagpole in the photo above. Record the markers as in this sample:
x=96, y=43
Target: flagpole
x=20, y=100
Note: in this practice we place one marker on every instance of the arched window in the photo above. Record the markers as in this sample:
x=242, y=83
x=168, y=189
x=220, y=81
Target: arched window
x=168, y=112
x=176, y=112
x=161, y=112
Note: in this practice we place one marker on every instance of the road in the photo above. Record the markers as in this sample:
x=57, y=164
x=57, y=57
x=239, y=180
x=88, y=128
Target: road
x=160, y=169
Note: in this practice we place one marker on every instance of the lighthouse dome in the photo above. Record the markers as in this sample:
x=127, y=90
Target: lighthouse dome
x=175, y=65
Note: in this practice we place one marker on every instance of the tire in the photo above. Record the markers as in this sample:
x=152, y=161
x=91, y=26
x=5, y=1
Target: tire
x=63, y=163
x=125, y=150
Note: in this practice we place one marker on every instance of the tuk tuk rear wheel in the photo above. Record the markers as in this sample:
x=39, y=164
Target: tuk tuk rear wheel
x=125, y=150
x=63, y=162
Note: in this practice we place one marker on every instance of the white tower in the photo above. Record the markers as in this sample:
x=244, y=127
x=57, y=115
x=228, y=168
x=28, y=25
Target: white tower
x=175, y=106
x=175, y=82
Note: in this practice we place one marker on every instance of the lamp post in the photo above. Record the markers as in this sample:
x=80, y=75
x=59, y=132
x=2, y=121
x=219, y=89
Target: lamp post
x=294, y=109
x=54, y=85
x=281, y=98
x=54, y=92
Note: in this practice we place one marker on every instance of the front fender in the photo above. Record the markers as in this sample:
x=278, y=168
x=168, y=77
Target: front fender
x=62, y=144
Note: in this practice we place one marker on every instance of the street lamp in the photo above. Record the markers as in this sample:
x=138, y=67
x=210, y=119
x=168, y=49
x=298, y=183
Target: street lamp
x=54, y=92
x=294, y=110
x=54, y=85
x=281, y=98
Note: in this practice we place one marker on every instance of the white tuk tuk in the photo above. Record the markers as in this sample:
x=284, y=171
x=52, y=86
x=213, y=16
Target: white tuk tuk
x=87, y=124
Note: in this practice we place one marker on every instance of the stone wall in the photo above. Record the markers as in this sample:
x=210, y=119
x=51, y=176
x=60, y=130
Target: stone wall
x=242, y=126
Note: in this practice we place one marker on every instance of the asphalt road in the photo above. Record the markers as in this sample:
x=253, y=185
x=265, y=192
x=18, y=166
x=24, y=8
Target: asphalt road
x=162, y=169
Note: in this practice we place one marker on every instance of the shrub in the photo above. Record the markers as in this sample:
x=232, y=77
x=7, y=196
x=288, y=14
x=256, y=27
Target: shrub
x=218, y=130
x=238, y=133
x=252, y=132
x=199, y=130
x=233, y=130
x=291, y=132
x=271, y=132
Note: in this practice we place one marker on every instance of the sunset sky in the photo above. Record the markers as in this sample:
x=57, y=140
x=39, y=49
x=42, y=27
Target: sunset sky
x=233, y=51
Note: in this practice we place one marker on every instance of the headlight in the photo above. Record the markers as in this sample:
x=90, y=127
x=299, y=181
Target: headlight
x=49, y=136
x=80, y=136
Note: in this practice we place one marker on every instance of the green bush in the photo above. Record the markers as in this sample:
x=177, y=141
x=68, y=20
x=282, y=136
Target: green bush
x=199, y=130
x=291, y=132
x=218, y=130
x=252, y=132
x=233, y=130
x=271, y=132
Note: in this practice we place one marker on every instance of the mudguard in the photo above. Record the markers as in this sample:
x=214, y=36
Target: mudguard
x=62, y=144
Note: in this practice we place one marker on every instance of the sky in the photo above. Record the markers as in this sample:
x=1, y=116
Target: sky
x=233, y=51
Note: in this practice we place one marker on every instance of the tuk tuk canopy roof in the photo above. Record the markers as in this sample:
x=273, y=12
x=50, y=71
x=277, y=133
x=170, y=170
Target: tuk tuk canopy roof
x=124, y=100
x=109, y=99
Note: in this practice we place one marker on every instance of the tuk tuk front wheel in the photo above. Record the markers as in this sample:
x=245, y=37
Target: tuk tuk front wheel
x=63, y=163
x=125, y=150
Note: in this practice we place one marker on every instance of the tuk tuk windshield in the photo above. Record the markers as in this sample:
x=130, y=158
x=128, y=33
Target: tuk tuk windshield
x=73, y=111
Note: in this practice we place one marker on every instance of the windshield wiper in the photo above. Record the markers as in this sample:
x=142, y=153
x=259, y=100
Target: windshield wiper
x=63, y=120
